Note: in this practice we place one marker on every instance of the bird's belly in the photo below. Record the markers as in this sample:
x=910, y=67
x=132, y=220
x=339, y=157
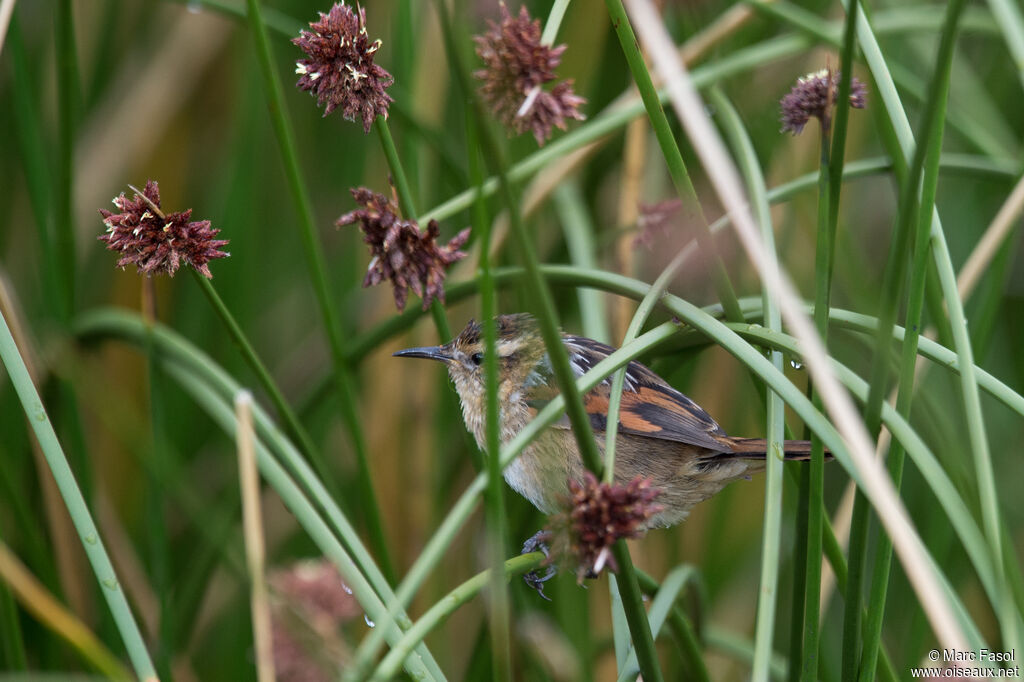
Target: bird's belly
x=679, y=471
x=541, y=473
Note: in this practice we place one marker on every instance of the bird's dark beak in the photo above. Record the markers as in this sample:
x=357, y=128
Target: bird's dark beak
x=430, y=352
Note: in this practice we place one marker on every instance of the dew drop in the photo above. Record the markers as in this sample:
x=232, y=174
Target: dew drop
x=91, y=538
x=369, y=623
x=348, y=590
x=110, y=584
x=796, y=364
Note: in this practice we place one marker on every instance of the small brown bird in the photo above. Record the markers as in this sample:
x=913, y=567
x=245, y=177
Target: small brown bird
x=663, y=435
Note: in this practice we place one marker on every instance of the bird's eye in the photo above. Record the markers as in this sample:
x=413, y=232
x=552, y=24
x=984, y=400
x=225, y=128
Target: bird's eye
x=477, y=358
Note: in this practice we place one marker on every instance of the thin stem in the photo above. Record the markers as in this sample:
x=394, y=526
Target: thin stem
x=548, y=322
x=80, y=516
x=743, y=150
x=55, y=617
x=176, y=351
x=156, y=526
x=643, y=312
x=673, y=158
x=915, y=306
x=420, y=666
x=252, y=522
x=284, y=410
x=68, y=106
x=554, y=21
x=440, y=611
x=316, y=264
x=499, y=616
x=406, y=202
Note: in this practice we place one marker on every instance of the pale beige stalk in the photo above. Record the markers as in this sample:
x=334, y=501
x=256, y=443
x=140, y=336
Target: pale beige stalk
x=252, y=521
x=724, y=177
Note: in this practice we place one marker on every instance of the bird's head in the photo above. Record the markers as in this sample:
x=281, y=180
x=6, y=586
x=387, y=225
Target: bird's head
x=521, y=359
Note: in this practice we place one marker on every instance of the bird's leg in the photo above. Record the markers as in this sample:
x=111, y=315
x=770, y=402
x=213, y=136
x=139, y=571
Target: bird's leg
x=536, y=579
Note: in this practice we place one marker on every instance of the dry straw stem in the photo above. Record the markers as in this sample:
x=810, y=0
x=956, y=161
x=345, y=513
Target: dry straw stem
x=6, y=10
x=51, y=613
x=252, y=521
x=975, y=266
x=71, y=565
x=725, y=179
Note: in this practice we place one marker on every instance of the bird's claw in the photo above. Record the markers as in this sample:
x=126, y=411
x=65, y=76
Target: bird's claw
x=536, y=579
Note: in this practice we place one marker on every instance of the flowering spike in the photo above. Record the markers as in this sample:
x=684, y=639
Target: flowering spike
x=599, y=514
x=160, y=242
x=339, y=68
x=810, y=97
x=517, y=66
x=310, y=604
x=402, y=253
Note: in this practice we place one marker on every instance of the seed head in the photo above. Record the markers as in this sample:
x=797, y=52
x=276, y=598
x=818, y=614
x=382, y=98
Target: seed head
x=601, y=513
x=402, y=253
x=811, y=97
x=339, y=68
x=310, y=604
x=517, y=66
x=655, y=219
x=158, y=242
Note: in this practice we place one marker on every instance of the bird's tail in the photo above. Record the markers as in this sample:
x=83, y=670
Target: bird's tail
x=755, y=448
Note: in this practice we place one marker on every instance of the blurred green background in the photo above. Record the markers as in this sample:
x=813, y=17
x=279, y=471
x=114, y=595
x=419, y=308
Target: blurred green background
x=171, y=92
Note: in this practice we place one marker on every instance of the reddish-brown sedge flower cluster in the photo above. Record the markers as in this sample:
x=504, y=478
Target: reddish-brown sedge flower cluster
x=310, y=604
x=517, y=66
x=155, y=242
x=813, y=96
x=655, y=219
x=339, y=69
x=411, y=258
x=599, y=514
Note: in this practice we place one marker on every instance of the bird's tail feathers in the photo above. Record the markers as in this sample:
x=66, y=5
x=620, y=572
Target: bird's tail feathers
x=755, y=448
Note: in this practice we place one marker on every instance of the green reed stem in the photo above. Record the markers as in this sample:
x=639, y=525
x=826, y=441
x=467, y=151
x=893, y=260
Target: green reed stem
x=499, y=608
x=919, y=217
x=68, y=98
x=284, y=410
x=177, y=351
x=554, y=21
x=643, y=312
x=440, y=611
x=673, y=158
x=156, y=526
x=406, y=201
x=830, y=179
x=75, y=503
x=420, y=666
x=548, y=321
x=499, y=613
x=317, y=267
x=743, y=150
x=672, y=586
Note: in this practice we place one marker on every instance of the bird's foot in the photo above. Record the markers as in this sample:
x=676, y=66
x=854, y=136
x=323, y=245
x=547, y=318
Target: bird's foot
x=536, y=579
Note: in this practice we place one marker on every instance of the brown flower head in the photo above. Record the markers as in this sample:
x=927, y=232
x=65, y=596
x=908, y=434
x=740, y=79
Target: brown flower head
x=601, y=513
x=517, y=68
x=655, y=219
x=402, y=253
x=811, y=97
x=310, y=603
x=339, y=69
x=158, y=242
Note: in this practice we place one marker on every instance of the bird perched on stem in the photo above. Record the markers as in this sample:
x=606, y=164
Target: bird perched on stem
x=663, y=436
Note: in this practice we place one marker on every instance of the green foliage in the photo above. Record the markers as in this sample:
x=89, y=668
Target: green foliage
x=365, y=457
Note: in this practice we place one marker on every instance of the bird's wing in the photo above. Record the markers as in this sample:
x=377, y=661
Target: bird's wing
x=649, y=407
